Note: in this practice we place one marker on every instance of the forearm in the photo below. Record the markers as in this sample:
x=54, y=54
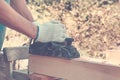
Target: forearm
x=22, y=9
x=12, y=19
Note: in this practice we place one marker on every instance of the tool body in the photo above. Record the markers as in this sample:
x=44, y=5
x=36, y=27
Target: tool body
x=55, y=49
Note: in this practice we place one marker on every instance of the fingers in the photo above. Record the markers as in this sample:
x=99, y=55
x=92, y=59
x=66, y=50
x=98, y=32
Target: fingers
x=51, y=31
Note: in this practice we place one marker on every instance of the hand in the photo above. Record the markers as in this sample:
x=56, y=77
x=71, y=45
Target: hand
x=50, y=31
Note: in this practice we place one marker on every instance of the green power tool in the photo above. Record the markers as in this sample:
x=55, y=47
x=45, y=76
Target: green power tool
x=55, y=49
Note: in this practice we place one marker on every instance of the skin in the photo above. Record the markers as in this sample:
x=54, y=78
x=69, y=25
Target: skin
x=17, y=18
x=22, y=9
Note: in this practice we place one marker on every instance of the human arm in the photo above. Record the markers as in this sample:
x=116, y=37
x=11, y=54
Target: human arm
x=13, y=20
x=50, y=31
x=21, y=7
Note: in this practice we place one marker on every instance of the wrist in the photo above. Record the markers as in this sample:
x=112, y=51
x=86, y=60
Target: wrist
x=33, y=36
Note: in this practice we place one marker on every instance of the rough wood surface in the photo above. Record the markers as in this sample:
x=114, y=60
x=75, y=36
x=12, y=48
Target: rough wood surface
x=73, y=69
x=16, y=53
x=2, y=76
x=40, y=77
x=2, y=67
x=20, y=75
x=9, y=55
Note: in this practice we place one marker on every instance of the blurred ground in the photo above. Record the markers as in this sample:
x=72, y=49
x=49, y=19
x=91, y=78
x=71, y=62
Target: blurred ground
x=94, y=24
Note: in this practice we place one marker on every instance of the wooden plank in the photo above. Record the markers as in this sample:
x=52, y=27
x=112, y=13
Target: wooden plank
x=8, y=70
x=20, y=74
x=2, y=76
x=41, y=77
x=16, y=53
x=113, y=56
x=10, y=55
x=73, y=69
x=2, y=67
x=1, y=59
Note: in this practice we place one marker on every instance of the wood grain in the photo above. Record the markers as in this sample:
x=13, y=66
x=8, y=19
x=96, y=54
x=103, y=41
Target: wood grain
x=16, y=53
x=73, y=69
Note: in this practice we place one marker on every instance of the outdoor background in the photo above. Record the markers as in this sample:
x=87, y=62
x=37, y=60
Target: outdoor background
x=94, y=24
